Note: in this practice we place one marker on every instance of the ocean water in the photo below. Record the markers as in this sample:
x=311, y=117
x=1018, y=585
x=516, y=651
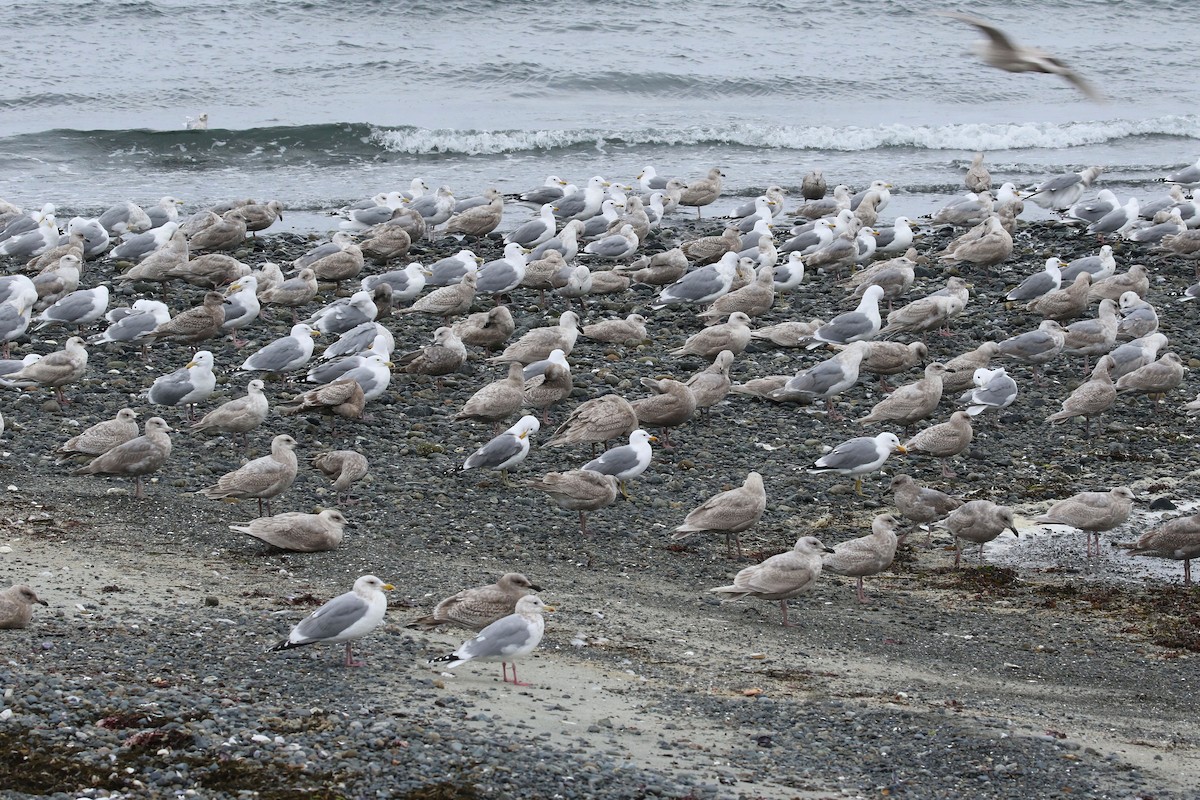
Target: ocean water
x=321, y=103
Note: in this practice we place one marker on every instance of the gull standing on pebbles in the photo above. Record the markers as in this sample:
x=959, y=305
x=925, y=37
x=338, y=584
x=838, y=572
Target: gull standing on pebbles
x=190, y=384
x=78, y=308
x=671, y=405
x=732, y=335
x=780, y=577
x=729, y=512
x=498, y=400
x=195, y=324
x=1177, y=539
x=912, y=402
x=294, y=292
x=539, y=343
x=1040, y=283
x=1035, y=347
x=1091, y=398
x=1155, y=379
x=241, y=307
x=16, y=606
x=505, y=640
x=263, y=478
x=711, y=385
x=825, y=380
x=136, y=457
x=701, y=286
x=345, y=618
x=297, y=531
x=479, y=606
x=59, y=369
x=979, y=521
x=628, y=331
x=1091, y=512
x=284, y=354
x=625, y=462
x=1063, y=191
x=240, y=415
x=507, y=450
x=578, y=490
x=446, y=302
x=702, y=192
x=944, y=440
x=862, y=323
x=345, y=467
x=866, y=555
x=921, y=504
x=596, y=421
x=488, y=329
x=101, y=437
x=859, y=456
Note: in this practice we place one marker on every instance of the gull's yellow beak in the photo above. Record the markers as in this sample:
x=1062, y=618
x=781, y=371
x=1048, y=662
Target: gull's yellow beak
x=387, y=587
x=551, y=609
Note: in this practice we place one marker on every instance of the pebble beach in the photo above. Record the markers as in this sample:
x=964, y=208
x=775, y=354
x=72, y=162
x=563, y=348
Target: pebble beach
x=1035, y=672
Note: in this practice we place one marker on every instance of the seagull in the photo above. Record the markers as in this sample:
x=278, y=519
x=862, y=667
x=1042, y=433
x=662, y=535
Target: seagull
x=345, y=618
x=1003, y=53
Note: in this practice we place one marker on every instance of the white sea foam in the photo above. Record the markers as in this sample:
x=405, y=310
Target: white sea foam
x=1016, y=136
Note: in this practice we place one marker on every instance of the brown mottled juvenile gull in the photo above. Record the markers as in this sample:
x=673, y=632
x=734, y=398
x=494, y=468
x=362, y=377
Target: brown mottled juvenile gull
x=659, y=269
x=672, y=405
x=549, y=388
x=54, y=371
x=488, y=329
x=498, y=400
x=960, y=370
x=813, y=186
x=293, y=292
x=992, y=247
x=137, y=457
x=912, y=402
x=1135, y=280
x=263, y=478
x=506, y=450
x=226, y=232
x=842, y=251
x=16, y=606
x=538, y=343
x=729, y=512
x=1177, y=539
x=1091, y=398
x=891, y=358
x=210, y=271
x=101, y=437
x=240, y=415
x=817, y=208
x=1091, y=512
x=596, y=421
x=579, y=490
x=865, y=555
x=753, y=300
x=341, y=398
x=921, y=504
x=859, y=456
x=478, y=220
x=505, y=640
x=1156, y=378
x=1001, y=52
x=628, y=331
x=345, y=618
x=977, y=179
x=195, y=324
x=944, y=440
x=732, y=335
x=479, y=606
x=710, y=249
x=443, y=356
x=923, y=314
x=295, y=530
x=787, y=334
x=345, y=467
x=978, y=521
x=711, y=385
x=780, y=577
x=1063, y=304
x=703, y=191
x=1092, y=337
x=446, y=301
x=895, y=279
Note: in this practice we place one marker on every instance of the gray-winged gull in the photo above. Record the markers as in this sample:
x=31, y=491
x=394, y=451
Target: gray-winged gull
x=780, y=577
x=1063, y=191
x=627, y=461
x=345, y=618
x=1039, y=283
x=994, y=389
x=505, y=640
x=188, y=385
x=825, y=380
x=859, y=456
x=507, y=450
x=284, y=354
x=862, y=323
x=78, y=308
